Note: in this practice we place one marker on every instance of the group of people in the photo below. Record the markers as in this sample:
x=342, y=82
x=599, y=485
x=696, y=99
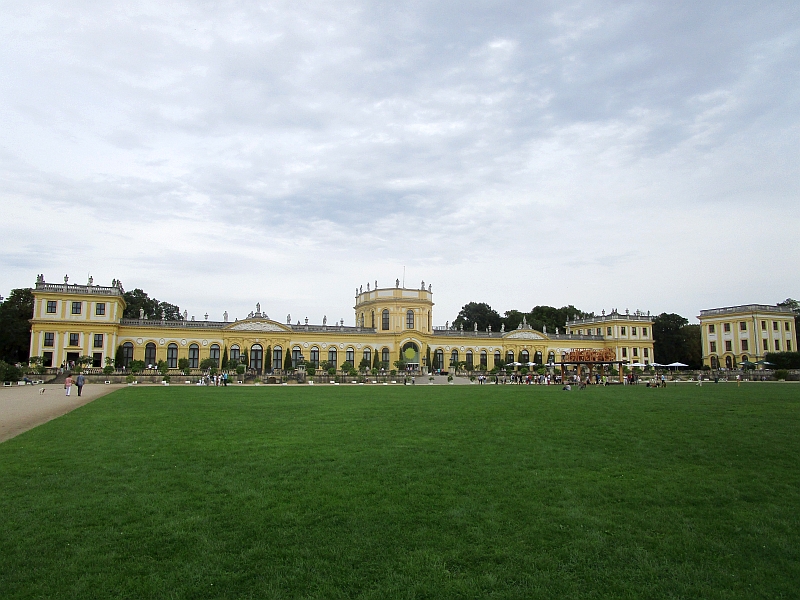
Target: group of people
x=79, y=381
x=215, y=380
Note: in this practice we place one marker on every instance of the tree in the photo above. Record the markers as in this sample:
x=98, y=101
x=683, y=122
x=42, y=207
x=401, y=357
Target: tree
x=183, y=365
x=364, y=364
x=692, y=346
x=480, y=313
x=668, y=340
x=268, y=360
x=15, y=327
x=376, y=363
x=138, y=299
x=9, y=372
x=225, y=358
x=287, y=362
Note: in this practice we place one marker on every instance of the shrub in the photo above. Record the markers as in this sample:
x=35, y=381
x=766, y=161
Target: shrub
x=166, y=378
x=240, y=369
x=781, y=374
x=332, y=371
x=9, y=372
x=136, y=366
x=129, y=378
x=311, y=371
x=108, y=370
x=183, y=365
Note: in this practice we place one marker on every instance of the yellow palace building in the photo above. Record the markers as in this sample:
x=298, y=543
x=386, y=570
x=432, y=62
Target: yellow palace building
x=71, y=321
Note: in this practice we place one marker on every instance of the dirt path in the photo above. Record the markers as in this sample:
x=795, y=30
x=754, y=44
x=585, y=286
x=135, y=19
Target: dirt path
x=23, y=407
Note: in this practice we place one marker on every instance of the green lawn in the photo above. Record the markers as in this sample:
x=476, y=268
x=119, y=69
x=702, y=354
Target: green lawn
x=408, y=492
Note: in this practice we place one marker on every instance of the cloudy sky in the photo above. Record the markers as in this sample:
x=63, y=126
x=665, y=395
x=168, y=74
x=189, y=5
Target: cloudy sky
x=604, y=154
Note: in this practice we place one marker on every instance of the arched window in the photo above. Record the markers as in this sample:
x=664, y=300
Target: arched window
x=510, y=356
x=714, y=362
x=332, y=357
x=256, y=357
x=127, y=354
x=296, y=354
x=314, y=357
x=484, y=360
x=469, y=358
x=368, y=355
x=728, y=362
x=385, y=320
x=551, y=357
x=410, y=319
x=235, y=353
x=213, y=354
x=537, y=358
x=277, y=358
x=194, y=356
x=744, y=357
x=385, y=357
x=497, y=359
x=150, y=355
x=350, y=356
x=438, y=359
x=526, y=358
x=172, y=356
x=454, y=358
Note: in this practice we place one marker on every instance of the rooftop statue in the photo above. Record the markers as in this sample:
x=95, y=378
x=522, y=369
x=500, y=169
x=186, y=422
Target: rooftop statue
x=324, y=320
x=225, y=316
x=141, y=313
x=397, y=283
x=66, y=278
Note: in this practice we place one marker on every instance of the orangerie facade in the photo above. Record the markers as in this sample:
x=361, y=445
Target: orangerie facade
x=72, y=321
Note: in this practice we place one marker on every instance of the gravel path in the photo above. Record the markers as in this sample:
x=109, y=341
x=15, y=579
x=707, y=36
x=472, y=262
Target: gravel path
x=23, y=407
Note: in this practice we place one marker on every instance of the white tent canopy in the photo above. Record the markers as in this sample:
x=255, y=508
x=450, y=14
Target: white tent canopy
x=677, y=365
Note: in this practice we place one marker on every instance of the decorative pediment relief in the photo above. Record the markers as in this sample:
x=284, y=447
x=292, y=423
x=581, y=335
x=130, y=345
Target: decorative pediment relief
x=524, y=335
x=258, y=326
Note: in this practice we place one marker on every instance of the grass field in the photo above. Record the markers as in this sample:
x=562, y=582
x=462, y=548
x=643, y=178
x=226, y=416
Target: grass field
x=408, y=492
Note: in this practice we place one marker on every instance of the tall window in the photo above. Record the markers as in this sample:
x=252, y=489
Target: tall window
x=277, y=358
x=454, y=358
x=100, y=308
x=350, y=356
x=624, y=353
x=726, y=327
x=713, y=346
x=711, y=328
x=774, y=323
x=728, y=346
x=172, y=356
x=213, y=354
x=332, y=357
x=647, y=352
x=484, y=360
x=235, y=353
x=368, y=355
x=410, y=319
x=788, y=327
x=766, y=345
x=98, y=340
x=763, y=325
x=296, y=354
x=49, y=339
x=509, y=357
x=385, y=356
x=551, y=357
x=438, y=359
x=373, y=320
x=622, y=330
x=150, y=354
x=97, y=359
x=76, y=308
x=608, y=331
x=644, y=331
x=745, y=346
x=777, y=345
x=48, y=359
x=315, y=357
x=127, y=354
x=469, y=358
x=525, y=357
x=742, y=325
x=497, y=359
x=537, y=358
x=51, y=306
x=384, y=320
x=257, y=357
x=633, y=330
x=194, y=356
x=74, y=339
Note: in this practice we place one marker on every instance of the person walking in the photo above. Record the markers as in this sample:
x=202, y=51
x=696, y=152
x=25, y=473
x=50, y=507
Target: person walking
x=79, y=381
x=68, y=384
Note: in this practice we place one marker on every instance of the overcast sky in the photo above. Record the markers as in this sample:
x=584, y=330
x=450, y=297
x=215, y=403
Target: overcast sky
x=602, y=154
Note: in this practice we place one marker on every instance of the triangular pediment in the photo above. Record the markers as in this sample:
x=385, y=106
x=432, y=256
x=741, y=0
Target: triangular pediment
x=258, y=325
